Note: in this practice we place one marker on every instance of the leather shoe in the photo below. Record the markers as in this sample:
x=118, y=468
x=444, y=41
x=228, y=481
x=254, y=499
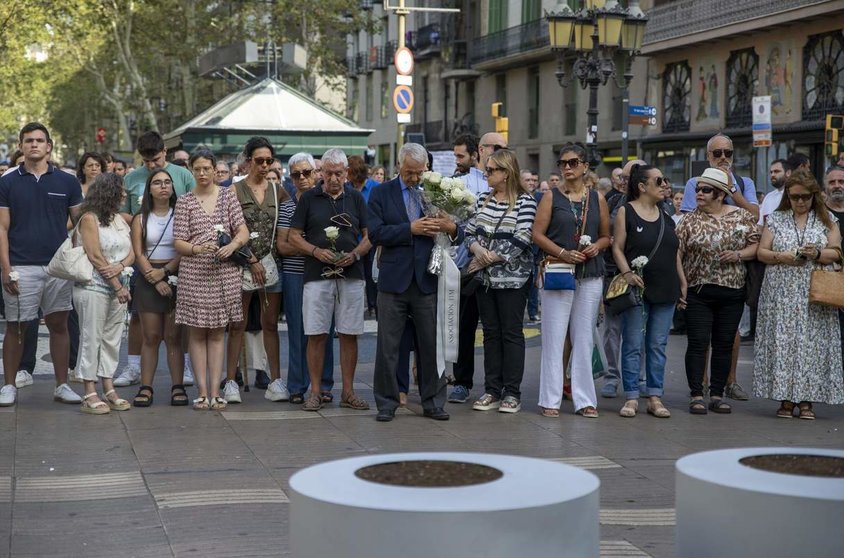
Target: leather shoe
x=437, y=413
x=385, y=415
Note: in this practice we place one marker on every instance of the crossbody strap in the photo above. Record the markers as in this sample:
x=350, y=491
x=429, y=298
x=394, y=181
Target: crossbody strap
x=151, y=252
x=658, y=238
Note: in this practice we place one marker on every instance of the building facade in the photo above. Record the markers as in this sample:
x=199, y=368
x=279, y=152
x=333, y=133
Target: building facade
x=492, y=51
x=709, y=58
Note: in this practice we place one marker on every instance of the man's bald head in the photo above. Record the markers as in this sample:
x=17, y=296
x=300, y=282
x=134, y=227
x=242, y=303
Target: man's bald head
x=490, y=142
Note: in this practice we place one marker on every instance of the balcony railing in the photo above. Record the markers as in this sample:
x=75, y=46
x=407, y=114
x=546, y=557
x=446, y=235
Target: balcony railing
x=685, y=17
x=515, y=40
x=362, y=62
x=381, y=57
x=351, y=66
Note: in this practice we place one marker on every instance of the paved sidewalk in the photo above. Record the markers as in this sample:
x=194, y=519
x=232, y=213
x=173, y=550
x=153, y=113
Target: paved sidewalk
x=170, y=481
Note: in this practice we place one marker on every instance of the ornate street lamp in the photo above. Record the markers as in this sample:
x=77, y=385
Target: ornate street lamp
x=593, y=41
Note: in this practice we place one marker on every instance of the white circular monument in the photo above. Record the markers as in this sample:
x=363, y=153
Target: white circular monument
x=423, y=505
x=761, y=502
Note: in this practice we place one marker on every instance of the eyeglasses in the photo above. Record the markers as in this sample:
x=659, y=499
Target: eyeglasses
x=728, y=153
x=570, y=163
x=801, y=197
x=296, y=175
x=490, y=170
x=261, y=161
x=704, y=189
x=221, y=172
x=165, y=182
x=203, y=170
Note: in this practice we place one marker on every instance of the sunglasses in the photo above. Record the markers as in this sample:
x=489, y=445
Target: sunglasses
x=495, y=147
x=660, y=180
x=260, y=161
x=296, y=175
x=704, y=189
x=728, y=153
x=570, y=163
x=801, y=197
x=490, y=170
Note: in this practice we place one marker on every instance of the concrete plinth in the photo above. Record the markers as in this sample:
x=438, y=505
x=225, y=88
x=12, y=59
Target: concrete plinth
x=537, y=507
x=726, y=508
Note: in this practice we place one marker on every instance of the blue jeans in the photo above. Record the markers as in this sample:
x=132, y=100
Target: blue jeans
x=655, y=320
x=298, y=380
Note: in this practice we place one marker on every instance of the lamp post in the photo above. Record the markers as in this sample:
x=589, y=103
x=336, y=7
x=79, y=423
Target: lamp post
x=589, y=40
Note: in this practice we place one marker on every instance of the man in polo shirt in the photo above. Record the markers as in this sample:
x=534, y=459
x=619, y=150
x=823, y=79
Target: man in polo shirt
x=334, y=276
x=35, y=202
x=152, y=151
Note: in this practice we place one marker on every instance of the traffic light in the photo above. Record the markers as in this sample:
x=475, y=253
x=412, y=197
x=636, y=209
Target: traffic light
x=502, y=123
x=832, y=137
x=497, y=110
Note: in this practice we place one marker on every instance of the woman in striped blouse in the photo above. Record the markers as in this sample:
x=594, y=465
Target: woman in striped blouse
x=499, y=238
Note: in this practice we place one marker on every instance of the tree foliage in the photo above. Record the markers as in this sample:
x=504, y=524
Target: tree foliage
x=133, y=65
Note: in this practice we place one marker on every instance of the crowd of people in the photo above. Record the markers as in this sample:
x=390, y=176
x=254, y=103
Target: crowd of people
x=196, y=249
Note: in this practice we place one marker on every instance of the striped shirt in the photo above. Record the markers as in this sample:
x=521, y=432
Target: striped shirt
x=289, y=264
x=511, y=239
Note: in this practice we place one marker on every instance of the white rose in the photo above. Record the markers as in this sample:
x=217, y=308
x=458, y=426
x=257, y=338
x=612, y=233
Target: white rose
x=434, y=178
x=14, y=276
x=447, y=184
x=468, y=196
x=173, y=280
x=128, y=271
x=639, y=263
x=456, y=195
x=219, y=229
x=253, y=235
x=585, y=240
x=458, y=183
x=332, y=233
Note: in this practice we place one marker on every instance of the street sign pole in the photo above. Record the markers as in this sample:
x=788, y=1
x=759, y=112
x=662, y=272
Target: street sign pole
x=401, y=12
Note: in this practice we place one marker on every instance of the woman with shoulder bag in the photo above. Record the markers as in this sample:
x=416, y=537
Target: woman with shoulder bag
x=643, y=230
x=155, y=293
x=259, y=201
x=572, y=228
x=499, y=237
x=101, y=302
x=209, y=281
x=798, y=354
x=715, y=241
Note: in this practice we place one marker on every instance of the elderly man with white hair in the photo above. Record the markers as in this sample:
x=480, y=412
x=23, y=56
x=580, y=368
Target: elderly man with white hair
x=330, y=226
x=406, y=290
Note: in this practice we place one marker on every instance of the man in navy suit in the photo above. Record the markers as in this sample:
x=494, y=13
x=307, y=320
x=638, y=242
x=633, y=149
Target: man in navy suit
x=405, y=288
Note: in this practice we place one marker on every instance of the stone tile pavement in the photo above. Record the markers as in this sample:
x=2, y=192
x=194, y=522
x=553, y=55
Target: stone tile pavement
x=170, y=481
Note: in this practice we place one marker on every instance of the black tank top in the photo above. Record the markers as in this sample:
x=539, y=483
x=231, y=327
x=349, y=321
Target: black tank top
x=662, y=284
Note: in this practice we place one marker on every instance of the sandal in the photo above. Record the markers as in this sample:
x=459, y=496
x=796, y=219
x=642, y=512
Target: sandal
x=297, y=398
x=313, y=403
x=588, y=412
x=143, y=399
x=786, y=410
x=697, y=407
x=200, y=403
x=806, y=412
x=630, y=409
x=354, y=402
x=326, y=396
x=218, y=404
x=657, y=409
x=548, y=412
x=98, y=408
x=178, y=396
x=116, y=404
x=717, y=405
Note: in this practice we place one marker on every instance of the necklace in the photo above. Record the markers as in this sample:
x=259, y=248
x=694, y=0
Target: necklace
x=801, y=237
x=579, y=220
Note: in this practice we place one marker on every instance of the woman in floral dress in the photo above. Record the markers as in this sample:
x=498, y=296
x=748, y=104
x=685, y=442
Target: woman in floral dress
x=209, y=286
x=798, y=354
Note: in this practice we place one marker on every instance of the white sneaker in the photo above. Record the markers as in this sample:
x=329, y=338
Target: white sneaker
x=74, y=376
x=187, y=379
x=130, y=375
x=23, y=379
x=64, y=394
x=277, y=391
x=8, y=394
x=231, y=393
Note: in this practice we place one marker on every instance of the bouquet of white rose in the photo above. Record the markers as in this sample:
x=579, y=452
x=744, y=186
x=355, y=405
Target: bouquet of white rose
x=447, y=194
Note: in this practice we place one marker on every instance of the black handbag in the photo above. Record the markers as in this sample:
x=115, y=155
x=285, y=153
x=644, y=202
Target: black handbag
x=622, y=296
x=241, y=256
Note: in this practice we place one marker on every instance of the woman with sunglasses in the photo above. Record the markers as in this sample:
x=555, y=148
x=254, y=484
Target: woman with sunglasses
x=572, y=226
x=797, y=354
x=715, y=240
x=259, y=201
x=155, y=292
x=303, y=173
x=643, y=229
x=499, y=237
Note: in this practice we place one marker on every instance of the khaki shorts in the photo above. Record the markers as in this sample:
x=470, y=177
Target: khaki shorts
x=37, y=290
x=341, y=299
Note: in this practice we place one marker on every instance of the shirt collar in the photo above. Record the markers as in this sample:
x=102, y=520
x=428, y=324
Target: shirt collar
x=23, y=172
x=322, y=191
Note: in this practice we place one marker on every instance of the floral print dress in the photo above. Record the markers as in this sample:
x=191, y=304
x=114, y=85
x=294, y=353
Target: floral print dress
x=798, y=345
x=209, y=293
